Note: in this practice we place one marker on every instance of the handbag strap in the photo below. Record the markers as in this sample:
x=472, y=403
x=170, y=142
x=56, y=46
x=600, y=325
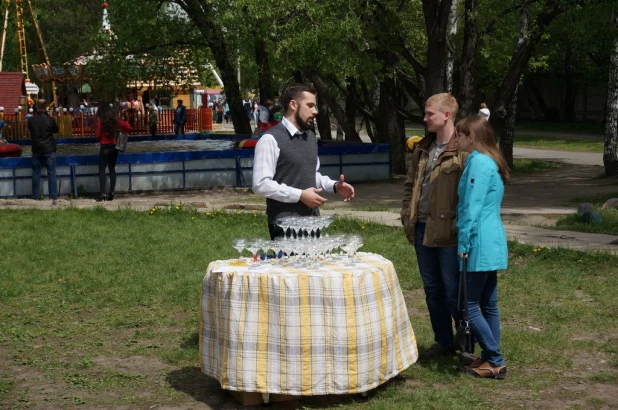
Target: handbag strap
x=463, y=294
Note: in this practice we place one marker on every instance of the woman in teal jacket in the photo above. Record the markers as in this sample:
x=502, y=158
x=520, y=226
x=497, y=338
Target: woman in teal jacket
x=481, y=238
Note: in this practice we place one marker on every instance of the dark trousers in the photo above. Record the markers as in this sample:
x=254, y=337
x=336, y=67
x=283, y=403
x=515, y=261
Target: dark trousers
x=107, y=158
x=49, y=162
x=153, y=130
x=179, y=128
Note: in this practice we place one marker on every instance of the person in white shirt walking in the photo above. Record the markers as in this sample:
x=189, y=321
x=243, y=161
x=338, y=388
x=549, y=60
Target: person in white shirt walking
x=286, y=163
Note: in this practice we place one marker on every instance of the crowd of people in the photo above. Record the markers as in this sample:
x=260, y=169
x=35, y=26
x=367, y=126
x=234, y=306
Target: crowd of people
x=450, y=209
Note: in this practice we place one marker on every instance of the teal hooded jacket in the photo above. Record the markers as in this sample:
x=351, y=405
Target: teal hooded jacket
x=480, y=232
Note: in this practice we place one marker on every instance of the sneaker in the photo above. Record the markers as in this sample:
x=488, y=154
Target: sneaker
x=436, y=350
x=101, y=198
x=54, y=202
x=486, y=370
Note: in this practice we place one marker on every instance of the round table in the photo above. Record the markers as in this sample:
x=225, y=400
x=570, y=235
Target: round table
x=339, y=326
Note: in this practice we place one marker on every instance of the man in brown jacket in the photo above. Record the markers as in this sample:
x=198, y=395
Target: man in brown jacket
x=428, y=217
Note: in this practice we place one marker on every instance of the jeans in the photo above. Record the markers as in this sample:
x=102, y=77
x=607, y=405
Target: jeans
x=107, y=158
x=49, y=160
x=439, y=268
x=482, y=290
x=255, y=119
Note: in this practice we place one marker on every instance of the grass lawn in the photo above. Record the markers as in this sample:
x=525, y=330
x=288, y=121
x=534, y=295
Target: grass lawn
x=609, y=225
x=562, y=144
x=99, y=309
x=529, y=166
x=579, y=127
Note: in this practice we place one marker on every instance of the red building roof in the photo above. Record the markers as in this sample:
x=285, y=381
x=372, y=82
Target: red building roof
x=11, y=88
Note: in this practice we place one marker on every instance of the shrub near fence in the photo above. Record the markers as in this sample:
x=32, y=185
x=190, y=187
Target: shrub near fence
x=83, y=124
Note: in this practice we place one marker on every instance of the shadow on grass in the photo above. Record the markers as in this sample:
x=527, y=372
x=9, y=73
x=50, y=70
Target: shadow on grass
x=192, y=381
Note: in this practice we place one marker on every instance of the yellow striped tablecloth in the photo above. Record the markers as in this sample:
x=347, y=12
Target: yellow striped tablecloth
x=339, y=327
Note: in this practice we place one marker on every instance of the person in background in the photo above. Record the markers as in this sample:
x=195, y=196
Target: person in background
x=154, y=119
x=286, y=163
x=1, y=140
x=428, y=218
x=482, y=239
x=180, y=118
x=256, y=113
x=42, y=129
x=248, y=106
x=108, y=126
x=227, y=115
x=484, y=111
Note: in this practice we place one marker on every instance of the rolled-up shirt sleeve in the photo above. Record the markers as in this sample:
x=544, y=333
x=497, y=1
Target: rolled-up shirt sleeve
x=323, y=181
x=264, y=167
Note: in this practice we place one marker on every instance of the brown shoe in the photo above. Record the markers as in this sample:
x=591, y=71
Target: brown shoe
x=486, y=370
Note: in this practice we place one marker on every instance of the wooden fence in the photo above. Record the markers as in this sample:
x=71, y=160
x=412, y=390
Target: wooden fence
x=83, y=124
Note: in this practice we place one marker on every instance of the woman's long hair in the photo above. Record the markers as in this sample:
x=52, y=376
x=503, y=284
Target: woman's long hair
x=484, y=140
x=109, y=119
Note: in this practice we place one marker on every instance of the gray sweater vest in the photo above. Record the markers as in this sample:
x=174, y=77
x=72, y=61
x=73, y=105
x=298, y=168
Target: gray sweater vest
x=298, y=159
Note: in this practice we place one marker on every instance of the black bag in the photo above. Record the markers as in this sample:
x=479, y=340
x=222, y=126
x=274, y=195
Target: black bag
x=121, y=141
x=463, y=334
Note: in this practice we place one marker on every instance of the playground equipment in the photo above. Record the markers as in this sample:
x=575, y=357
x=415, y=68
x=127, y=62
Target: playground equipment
x=21, y=41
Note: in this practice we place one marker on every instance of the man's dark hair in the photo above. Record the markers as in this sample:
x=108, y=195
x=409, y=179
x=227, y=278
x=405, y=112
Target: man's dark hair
x=41, y=105
x=179, y=101
x=295, y=92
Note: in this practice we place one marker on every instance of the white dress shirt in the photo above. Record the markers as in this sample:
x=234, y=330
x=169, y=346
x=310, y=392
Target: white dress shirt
x=264, y=167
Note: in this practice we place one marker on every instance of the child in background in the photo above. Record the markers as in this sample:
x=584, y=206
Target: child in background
x=154, y=119
x=2, y=142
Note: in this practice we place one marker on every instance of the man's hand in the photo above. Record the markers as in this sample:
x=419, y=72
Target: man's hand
x=344, y=189
x=311, y=198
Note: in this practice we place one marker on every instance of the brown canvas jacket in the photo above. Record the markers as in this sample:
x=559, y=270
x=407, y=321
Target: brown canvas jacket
x=441, y=230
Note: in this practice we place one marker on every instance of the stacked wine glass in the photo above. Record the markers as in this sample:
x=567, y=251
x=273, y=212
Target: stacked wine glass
x=304, y=241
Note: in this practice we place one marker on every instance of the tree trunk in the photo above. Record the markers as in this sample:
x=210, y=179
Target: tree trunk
x=261, y=58
x=610, y=162
x=450, y=57
x=323, y=118
x=569, y=93
x=390, y=125
x=540, y=102
x=350, y=106
x=436, y=25
x=201, y=13
x=519, y=62
x=348, y=129
x=507, y=131
x=467, y=90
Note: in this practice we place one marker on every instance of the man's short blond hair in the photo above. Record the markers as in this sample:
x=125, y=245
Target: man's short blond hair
x=444, y=102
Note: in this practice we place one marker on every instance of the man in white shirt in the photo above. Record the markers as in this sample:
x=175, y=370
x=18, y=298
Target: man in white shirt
x=286, y=164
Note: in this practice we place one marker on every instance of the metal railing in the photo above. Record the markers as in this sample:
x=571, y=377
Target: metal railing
x=83, y=124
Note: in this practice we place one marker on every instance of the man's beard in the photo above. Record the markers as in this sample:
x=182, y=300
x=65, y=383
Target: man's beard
x=302, y=124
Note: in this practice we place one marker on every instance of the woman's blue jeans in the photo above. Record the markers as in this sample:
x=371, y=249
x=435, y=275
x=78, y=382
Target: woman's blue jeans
x=482, y=290
x=439, y=268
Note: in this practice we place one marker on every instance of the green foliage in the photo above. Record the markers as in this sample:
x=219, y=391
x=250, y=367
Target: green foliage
x=573, y=223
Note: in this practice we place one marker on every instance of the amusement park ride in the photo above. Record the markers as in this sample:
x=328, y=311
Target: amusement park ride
x=31, y=88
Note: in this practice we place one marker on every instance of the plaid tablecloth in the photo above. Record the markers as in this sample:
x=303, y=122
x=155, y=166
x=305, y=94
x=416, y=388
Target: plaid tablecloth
x=336, y=328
